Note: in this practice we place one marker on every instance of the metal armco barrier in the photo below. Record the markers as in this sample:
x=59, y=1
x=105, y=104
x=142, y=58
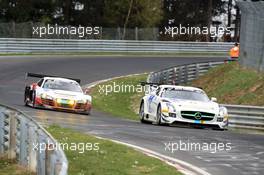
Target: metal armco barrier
x=181, y=74
x=248, y=117
x=240, y=116
x=22, y=139
x=26, y=45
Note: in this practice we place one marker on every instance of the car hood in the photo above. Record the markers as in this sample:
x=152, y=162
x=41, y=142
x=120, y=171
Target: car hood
x=67, y=94
x=191, y=105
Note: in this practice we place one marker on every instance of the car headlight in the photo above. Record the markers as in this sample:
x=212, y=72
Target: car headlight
x=82, y=101
x=58, y=100
x=71, y=102
x=171, y=107
x=46, y=96
x=222, y=111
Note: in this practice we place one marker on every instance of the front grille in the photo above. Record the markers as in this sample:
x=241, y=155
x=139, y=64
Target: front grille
x=47, y=102
x=65, y=105
x=80, y=106
x=196, y=115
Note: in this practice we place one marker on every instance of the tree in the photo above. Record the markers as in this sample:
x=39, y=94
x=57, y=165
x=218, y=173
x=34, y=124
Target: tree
x=90, y=14
x=196, y=13
x=67, y=10
x=147, y=13
x=209, y=17
x=26, y=10
x=127, y=17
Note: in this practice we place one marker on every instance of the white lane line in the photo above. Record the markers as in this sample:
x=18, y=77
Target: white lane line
x=259, y=153
x=181, y=166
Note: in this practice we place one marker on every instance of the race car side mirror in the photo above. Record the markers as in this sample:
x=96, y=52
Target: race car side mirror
x=214, y=99
x=150, y=90
x=87, y=91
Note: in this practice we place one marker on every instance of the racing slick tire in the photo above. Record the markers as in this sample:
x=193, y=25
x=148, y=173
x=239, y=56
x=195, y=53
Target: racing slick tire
x=26, y=95
x=34, y=99
x=87, y=112
x=219, y=129
x=141, y=113
x=158, y=116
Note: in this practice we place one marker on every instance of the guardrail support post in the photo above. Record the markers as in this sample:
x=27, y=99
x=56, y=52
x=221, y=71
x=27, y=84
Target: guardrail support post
x=23, y=143
x=48, y=160
x=12, y=136
x=174, y=76
x=2, y=125
x=197, y=70
x=186, y=74
x=136, y=33
x=32, y=152
x=210, y=65
x=41, y=155
x=180, y=75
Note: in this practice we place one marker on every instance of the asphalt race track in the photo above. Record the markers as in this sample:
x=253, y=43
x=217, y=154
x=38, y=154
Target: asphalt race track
x=245, y=157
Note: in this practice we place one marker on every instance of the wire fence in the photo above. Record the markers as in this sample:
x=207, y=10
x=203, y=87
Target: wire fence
x=166, y=33
x=26, y=30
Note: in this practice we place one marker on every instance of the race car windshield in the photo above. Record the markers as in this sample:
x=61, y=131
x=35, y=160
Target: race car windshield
x=185, y=95
x=62, y=85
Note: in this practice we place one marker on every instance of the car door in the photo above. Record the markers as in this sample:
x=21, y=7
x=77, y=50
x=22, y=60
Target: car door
x=154, y=101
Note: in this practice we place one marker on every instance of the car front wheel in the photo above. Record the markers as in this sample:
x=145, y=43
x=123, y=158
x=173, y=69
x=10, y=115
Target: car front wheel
x=158, y=117
x=141, y=113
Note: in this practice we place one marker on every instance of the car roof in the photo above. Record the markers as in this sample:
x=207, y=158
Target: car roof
x=188, y=88
x=58, y=78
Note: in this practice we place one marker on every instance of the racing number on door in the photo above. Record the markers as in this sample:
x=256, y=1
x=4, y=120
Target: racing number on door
x=150, y=101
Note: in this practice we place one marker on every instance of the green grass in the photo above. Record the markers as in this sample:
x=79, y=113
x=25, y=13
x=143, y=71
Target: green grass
x=232, y=84
x=122, y=104
x=111, y=158
x=9, y=167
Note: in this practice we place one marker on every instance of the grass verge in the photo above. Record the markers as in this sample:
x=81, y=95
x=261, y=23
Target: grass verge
x=233, y=84
x=10, y=167
x=123, y=104
x=111, y=158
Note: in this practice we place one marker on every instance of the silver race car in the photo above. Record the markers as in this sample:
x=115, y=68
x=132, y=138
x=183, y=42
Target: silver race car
x=170, y=104
x=57, y=93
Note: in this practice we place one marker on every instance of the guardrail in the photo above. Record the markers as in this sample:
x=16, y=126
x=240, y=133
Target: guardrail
x=246, y=117
x=181, y=74
x=24, y=140
x=240, y=116
x=26, y=45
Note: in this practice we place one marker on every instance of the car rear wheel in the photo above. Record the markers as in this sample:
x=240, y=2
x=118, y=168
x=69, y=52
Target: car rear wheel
x=26, y=96
x=34, y=99
x=25, y=100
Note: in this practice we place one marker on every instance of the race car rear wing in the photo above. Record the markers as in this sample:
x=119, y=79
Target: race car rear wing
x=43, y=75
x=150, y=84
